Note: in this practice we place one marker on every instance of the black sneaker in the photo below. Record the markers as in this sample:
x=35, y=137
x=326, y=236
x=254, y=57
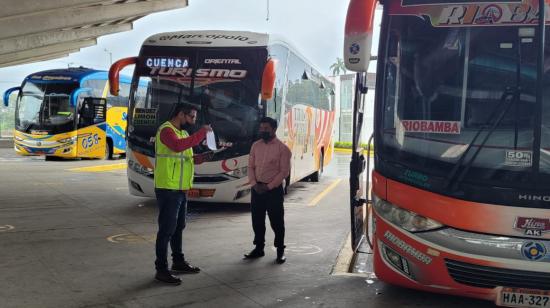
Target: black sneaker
x=280, y=256
x=183, y=267
x=255, y=253
x=166, y=277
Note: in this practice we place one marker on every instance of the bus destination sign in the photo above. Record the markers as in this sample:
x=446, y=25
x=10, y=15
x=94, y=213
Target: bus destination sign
x=440, y=2
x=461, y=13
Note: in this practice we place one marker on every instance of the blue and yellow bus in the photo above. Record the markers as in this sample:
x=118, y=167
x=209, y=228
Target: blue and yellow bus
x=69, y=113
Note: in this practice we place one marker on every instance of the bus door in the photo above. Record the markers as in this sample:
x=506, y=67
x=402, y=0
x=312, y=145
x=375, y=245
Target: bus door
x=358, y=194
x=92, y=139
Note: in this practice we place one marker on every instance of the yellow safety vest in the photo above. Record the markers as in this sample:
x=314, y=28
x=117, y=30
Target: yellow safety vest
x=173, y=170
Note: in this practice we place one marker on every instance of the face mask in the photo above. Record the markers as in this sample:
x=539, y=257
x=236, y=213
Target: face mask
x=266, y=136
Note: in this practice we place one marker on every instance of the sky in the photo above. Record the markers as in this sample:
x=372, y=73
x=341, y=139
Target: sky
x=314, y=27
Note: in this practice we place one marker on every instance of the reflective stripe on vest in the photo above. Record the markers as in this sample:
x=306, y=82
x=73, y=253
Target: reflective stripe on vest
x=168, y=174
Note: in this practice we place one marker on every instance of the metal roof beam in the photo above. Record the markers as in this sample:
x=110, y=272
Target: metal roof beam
x=39, y=58
x=46, y=50
x=32, y=41
x=14, y=26
x=11, y=8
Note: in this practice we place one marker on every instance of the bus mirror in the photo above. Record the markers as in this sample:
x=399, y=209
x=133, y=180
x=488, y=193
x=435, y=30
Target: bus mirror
x=268, y=80
x=358, y=36
x=114, y=72
x=8, y=93
x=76, y=93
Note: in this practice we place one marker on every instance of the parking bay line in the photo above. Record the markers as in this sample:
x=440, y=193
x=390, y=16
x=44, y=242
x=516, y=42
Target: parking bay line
x=324, y=193
x=100, y=168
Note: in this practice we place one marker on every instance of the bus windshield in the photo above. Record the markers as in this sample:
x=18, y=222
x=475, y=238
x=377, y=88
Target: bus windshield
x=46, y=107
x=228, y=99
x=459, y=108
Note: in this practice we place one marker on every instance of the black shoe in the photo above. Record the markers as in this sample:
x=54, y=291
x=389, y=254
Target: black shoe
x=167, y=278
x=183, y=267
x=280, y=256
x=255, y=253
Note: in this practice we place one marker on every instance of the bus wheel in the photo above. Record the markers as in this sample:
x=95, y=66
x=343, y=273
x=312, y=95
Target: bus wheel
x=316, y=176
x=108, y=150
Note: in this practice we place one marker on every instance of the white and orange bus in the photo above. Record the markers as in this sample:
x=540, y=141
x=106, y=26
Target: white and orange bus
x=461, y=181
x=233, y=79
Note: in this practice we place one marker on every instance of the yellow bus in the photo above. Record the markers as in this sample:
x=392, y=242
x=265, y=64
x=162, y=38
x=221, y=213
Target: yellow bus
x=69, y=113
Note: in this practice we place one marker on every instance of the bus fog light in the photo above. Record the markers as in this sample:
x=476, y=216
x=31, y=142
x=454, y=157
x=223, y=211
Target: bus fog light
x=397, y=261
x=136, y=186
x=242, y=194
x=404, y=219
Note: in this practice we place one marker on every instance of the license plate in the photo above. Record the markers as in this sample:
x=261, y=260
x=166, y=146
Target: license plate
x=510, y=297
x=193, y=193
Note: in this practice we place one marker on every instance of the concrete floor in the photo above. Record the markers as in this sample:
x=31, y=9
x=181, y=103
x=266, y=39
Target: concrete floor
x=78, y=239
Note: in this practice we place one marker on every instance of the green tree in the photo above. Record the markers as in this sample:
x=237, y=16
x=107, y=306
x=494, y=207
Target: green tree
x=338, y=66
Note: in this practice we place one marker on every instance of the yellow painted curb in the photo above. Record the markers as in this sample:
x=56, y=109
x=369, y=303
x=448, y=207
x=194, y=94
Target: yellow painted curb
x=100, y=168
x=340, y=150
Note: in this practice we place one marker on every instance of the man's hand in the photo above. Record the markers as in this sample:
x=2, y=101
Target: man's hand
x=203, y=157
x=260, y=188
x=207, y=127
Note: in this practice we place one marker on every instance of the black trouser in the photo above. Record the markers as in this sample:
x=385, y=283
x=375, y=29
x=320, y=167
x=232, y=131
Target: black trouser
x=172, y=211
x=272, y=203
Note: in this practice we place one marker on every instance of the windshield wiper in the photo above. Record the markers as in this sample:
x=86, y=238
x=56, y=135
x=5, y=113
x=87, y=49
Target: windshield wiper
x=503, y=106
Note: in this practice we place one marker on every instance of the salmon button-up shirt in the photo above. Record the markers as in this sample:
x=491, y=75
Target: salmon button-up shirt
x=269, y=163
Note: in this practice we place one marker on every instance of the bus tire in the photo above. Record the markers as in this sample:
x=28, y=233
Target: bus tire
x=316, y=176
x=108, y=150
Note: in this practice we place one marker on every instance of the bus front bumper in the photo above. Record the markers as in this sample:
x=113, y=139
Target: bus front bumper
x=227, y=191
x=456, y=262
x=65, y=149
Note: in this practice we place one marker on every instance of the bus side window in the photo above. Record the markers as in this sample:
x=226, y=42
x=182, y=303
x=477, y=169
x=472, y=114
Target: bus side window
x=297, y=86
x=274, y=106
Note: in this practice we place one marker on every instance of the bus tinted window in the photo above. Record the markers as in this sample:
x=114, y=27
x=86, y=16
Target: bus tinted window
x=280, y=54
x=97, y=86
x=305, y=85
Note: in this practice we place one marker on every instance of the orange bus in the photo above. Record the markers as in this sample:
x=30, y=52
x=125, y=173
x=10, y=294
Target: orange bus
x=461, y=179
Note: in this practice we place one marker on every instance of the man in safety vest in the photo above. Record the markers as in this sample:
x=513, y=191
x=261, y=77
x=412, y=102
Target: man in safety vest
x=174, y=169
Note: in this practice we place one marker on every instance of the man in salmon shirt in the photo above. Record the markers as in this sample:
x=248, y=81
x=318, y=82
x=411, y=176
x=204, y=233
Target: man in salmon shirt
x=174, y=170
x=268, y=166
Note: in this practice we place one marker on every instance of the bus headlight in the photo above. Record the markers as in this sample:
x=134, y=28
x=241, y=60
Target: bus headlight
x=69, y=140
x=239, y=172
x=137, y=167
x=405, y=219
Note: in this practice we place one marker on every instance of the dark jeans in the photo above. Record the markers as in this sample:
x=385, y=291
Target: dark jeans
x=272, y=203
x=172, y=206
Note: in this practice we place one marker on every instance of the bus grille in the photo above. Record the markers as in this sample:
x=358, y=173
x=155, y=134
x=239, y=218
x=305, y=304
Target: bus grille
x=210, y=179
x=490, y=277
